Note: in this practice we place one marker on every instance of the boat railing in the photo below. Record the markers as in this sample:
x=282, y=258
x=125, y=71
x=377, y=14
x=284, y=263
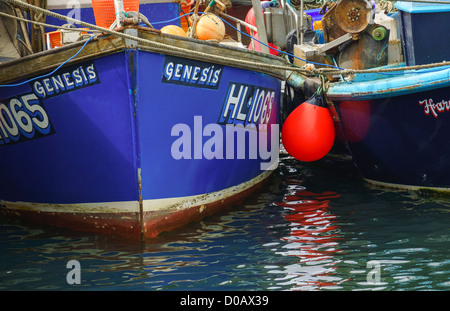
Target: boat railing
x=299, y=32
x=239, y=22
x=289, y=13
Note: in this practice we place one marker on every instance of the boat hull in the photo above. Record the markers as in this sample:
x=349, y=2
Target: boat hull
x=134, y=142
x=399, y=141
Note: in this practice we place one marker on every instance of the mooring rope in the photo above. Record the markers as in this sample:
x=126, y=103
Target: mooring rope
x=227, y=60
x=161, y=46
x=327, y=71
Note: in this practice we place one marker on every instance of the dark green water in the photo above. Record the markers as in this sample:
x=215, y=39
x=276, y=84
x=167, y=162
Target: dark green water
x=310, y=229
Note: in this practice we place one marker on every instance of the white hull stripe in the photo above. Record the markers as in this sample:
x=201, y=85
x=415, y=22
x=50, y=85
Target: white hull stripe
x=90, y=208
x=178, y=203
x=202, y=199
x=406, y=187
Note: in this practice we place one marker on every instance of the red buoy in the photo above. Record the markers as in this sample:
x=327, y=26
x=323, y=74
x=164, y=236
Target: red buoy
x=308, y=132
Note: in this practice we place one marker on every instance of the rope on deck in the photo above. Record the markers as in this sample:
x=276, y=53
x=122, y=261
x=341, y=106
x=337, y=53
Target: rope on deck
x=160, y=46
x=288, y=68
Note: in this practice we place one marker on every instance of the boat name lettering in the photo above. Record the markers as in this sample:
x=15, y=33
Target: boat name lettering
x=71, y=79
x=23, y=118
x=191, y=73
x=430, y=107
x=247, y=104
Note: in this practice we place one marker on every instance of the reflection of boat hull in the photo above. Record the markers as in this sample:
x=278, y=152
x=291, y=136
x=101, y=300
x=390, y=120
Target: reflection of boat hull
x=397, y=134
x=109, y=147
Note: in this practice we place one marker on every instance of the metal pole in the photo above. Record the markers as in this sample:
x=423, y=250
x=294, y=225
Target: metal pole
x=119, y=9
x=295, y=16
x=301, y=22
x=262, y=36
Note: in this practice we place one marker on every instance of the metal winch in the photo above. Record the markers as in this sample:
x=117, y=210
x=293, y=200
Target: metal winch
x=352, y=39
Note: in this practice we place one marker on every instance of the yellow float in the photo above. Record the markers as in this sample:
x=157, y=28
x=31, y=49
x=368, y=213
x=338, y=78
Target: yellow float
x=173, y=30
x=210, y=27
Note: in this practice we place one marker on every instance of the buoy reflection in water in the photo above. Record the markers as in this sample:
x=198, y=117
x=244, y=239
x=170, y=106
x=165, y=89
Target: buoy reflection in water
x=313, y=239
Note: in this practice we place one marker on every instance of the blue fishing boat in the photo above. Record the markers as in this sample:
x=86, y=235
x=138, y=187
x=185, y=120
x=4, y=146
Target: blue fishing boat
x=132, y=131
x=389, y=91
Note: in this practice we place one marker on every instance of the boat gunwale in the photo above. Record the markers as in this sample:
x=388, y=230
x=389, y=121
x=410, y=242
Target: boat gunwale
x=212, y=49
x=386, y=87
x=45, y=61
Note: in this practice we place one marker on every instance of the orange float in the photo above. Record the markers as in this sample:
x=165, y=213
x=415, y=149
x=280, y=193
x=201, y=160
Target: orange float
x=210, y=27
x=173, y=30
